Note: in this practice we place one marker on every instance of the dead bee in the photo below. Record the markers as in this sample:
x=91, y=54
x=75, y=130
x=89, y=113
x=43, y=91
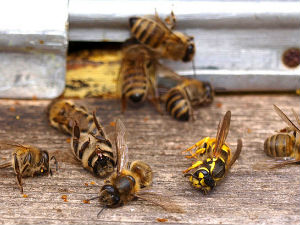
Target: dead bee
x=152, y=32
x=126, y=184
x=213, y=157
x=190, y=93
x=28, y=161
x=286, y=144
x=137, y=81
x=62, y=114
x=93, y=150
x=90, y=144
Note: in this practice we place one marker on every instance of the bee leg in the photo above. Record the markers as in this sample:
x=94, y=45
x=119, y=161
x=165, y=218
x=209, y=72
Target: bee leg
x=123, y=100
x=75, y=137
x=18, y=172
x=155, y=102
x=99, y=127
x=192, y=115
x=171, y=21
x=55, y=161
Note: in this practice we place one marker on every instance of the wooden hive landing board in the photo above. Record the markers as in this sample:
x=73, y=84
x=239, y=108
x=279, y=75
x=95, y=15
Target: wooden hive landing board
x=246, y=196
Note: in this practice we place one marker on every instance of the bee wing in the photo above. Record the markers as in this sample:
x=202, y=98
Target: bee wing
x=222, y=133
x=296, y=116
x=166, y=78
x=286, y=119
x=276, y=163
x=159, y=200
x=121, y=146
x=10, y=144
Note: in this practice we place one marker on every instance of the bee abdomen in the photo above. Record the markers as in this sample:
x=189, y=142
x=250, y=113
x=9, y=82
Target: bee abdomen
x=134, y=87
x=278, y=145
x=177, y=106
x=146, y=31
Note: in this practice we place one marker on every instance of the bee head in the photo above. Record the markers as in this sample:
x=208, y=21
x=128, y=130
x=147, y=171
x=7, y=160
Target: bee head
x=109, y=196
x=202, y=180
x=189, y=51
x=44, y=164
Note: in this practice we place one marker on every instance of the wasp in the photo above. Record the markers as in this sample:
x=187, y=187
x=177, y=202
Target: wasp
x=213, y=157
x=129, y=181
x=28, y=161
x=137, y=78
x=285, y=144
x=90, y=143
x=159, y=36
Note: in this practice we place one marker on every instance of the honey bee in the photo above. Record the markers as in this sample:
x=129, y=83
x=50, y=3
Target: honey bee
x=286, y=144
x=93, y=150
x=28, y=161
x=137, y=80
x=190, y=93
x=90, y=144
x=127, y=183
x=62, y=114
x=159, y=36
x=213, y=158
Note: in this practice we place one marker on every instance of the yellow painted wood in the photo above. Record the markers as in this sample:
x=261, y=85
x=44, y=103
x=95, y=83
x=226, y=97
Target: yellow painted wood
x=92, y=73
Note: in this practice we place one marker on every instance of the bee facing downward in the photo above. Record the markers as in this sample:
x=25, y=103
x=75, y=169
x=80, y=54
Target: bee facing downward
x=137, y=81
x=157, y=35
x=213, y=157
x=286, y=144
x=126, y=183
x=90, y=144
x=28, y=161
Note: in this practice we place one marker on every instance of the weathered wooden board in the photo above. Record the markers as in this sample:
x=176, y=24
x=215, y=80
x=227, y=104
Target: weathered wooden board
x=246, y=196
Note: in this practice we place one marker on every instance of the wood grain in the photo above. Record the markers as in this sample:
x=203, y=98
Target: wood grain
x=247, y=195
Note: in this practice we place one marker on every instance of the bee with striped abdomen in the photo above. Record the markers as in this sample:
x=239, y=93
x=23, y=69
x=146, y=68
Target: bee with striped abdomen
x=62, y=114
x=27, y=161
x=90, y=144
x=137, y=80
x=213, y=157
x=94, y=150
x=190, y=93
x=286, y=144
x=127, y=183
x=152, y=32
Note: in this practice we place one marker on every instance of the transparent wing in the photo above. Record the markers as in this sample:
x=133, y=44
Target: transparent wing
x=296, y=116
x=159, y=200
x=166, y=78
x=121, y=146
x=222, y=133
x=286, y=119
x=11, y=144
x=271, y=164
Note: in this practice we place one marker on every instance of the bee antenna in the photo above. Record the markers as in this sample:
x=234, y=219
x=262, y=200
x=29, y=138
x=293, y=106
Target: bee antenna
x=55, y=161
x=104, y=207
x=93, y=198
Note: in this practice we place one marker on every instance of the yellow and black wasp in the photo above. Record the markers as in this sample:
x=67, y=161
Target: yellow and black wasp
x=213, y=158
